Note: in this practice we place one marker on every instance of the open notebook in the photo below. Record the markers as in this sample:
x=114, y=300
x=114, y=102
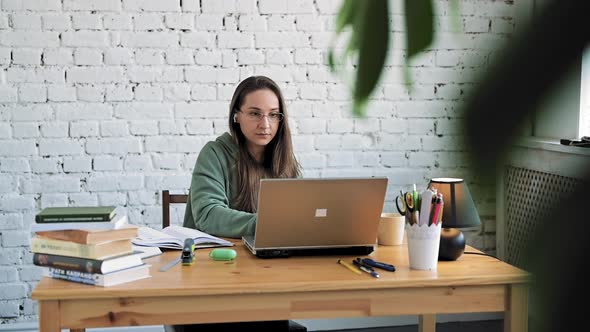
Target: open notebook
x=173, y=237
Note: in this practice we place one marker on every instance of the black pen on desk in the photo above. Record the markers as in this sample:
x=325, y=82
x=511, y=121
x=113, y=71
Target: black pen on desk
x=359, y=261
x=360, y=265
x=370, y=262
x=366, y=269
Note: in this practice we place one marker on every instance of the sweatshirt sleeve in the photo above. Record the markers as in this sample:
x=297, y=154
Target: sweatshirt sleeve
x=210, y=202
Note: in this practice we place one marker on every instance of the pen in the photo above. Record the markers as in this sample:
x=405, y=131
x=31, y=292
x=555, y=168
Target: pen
x=442, y=205
x=348, y=266
x=358, y=260
x=437, y=209
x=416, y=199
x=368, y=270
x=432, y=211
x=370, y=262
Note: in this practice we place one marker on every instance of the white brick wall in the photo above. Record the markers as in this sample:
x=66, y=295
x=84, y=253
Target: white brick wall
x=110, y=102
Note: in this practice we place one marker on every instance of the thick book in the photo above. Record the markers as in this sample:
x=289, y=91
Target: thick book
x=71, y=249
x=117, y=222
x=173, y=237
x=97, y=279
x=88, y=265
x=92, y=236
x=75, y=213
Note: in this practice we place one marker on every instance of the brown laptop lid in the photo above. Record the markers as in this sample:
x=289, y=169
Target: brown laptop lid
x=318, y=213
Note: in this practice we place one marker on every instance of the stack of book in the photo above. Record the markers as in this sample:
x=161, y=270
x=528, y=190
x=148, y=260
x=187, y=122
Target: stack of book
x=90, y=245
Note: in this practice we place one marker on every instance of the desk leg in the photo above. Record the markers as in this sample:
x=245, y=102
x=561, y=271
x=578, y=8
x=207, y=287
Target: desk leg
x=516, y=316
x=427, y=323
x=49, y=316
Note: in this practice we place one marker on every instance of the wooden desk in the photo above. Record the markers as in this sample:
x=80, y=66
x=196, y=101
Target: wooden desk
x=251, y=289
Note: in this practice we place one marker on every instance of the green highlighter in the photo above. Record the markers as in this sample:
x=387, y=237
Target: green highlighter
x=221, y=254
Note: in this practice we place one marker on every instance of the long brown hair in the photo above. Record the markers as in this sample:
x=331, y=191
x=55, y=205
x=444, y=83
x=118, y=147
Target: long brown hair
x=279, y=160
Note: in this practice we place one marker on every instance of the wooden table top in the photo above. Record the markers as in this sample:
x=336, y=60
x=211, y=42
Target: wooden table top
x=251, y=275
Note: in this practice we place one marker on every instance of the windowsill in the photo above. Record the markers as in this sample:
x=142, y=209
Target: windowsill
x=551, y=144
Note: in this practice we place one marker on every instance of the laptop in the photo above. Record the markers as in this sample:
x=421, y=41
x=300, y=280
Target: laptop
x=317, y=216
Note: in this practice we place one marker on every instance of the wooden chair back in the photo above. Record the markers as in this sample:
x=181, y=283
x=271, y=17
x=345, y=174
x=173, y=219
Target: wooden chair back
x=168, y=199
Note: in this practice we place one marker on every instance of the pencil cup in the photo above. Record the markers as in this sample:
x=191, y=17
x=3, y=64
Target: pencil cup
x=423, y=244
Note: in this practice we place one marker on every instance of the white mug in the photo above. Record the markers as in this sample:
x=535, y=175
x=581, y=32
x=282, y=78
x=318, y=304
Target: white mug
x=391, y=229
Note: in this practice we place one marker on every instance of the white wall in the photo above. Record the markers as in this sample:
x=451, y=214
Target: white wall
x=109, y=102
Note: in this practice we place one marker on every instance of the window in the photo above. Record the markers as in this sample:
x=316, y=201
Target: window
x=585, y=95
x=558, y=113
x=565, y=111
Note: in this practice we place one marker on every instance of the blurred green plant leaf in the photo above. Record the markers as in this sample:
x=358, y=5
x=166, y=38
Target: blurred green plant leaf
x=368, y=42
x=419, y=26
x=345, y=15
x=373, y=41
x=345, y=18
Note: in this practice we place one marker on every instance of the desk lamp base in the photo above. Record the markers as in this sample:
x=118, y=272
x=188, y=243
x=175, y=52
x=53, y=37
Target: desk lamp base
x=452, y=244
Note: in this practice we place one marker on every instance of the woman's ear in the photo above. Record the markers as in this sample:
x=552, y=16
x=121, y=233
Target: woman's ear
x=235, y=117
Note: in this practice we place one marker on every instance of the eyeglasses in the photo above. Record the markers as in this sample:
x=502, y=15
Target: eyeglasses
x=257, y=116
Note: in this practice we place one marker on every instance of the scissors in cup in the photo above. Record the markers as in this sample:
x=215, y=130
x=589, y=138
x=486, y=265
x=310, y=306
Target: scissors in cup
x=402, y=210
x=408, y=207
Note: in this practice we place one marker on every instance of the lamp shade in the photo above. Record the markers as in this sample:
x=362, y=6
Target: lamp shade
x=459, y=210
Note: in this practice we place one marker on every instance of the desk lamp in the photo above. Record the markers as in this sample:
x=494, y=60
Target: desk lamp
x=458, y=212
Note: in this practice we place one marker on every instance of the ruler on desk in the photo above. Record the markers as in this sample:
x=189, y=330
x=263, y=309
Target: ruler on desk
x=168, y=266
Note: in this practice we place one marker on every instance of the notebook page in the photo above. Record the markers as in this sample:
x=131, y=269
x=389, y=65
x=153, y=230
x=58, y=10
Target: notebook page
x=198, y=236
x=150, y=237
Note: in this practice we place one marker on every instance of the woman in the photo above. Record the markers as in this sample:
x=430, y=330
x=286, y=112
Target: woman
x=223, y=195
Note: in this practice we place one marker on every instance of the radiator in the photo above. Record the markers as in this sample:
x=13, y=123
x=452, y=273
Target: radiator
x=528, y=198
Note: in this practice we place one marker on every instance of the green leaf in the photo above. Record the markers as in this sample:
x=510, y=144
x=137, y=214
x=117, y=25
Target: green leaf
x=359, y=107
x=331, y=60
x=419, y=26
x=371, y=34
x=345, y=15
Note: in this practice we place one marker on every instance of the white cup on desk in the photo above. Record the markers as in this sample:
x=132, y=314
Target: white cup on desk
x=391, y=229
x=423, y=245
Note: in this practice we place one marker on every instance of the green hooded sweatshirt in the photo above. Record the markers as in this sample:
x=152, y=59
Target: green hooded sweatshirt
x=213, y=191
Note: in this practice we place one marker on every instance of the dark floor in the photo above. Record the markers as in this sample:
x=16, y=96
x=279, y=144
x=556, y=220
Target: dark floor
x=478, y=326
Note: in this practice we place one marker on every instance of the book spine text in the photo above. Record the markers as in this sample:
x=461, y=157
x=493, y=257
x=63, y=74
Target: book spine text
x=62, y=248
x=68, y=263
x=75, y=276
x=43, y=219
